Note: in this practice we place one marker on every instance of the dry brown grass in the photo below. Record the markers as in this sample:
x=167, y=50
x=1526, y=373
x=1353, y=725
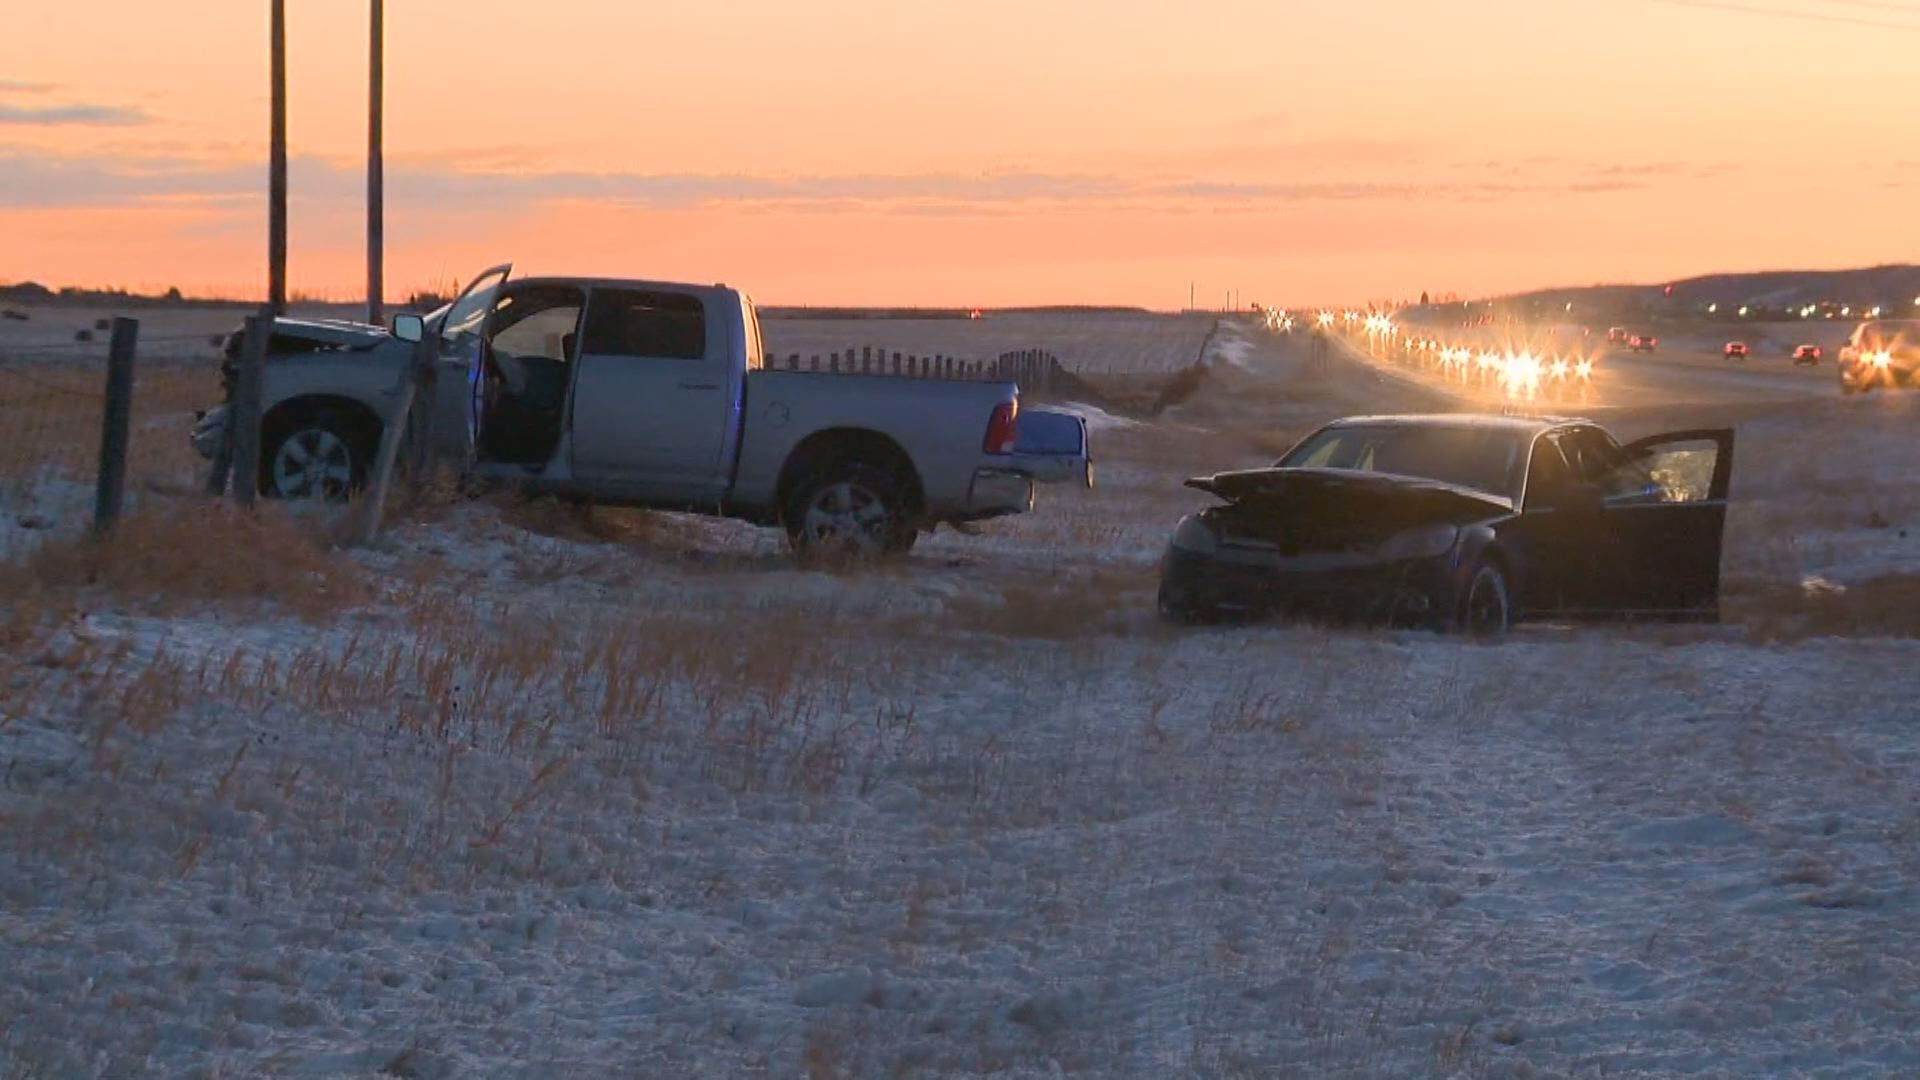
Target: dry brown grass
x=50, y=422
x=1057, y=609
x=197, y=551
x=1885, y=606
x=581, y=523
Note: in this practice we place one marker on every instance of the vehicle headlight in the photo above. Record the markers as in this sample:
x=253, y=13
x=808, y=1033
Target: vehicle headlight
x=1194, y=536
x=1880, y=359
x=1425, y=542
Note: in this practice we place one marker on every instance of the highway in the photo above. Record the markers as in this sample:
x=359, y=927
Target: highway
x=1617, y=379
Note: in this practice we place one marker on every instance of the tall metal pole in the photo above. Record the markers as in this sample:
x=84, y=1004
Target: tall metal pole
x=376, y=178
x=277, y=167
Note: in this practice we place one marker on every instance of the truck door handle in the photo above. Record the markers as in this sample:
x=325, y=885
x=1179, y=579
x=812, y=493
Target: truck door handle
x=699, y=386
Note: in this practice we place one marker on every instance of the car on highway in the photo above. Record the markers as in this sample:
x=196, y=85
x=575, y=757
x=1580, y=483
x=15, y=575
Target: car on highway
x=1642, y=343
x=1880, y=354
x=645, y=393
x=1617, y=335
x=1736, y=350
x=1808, y=355
x=1463, y=522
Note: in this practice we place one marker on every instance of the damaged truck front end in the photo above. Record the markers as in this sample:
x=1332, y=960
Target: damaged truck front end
x=1330, y=544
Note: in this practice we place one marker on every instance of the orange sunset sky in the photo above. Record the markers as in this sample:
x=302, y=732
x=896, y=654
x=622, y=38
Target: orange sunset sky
x=991, y=152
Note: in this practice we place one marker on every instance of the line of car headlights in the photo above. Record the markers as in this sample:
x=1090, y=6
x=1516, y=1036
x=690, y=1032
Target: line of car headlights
x=1517, y=372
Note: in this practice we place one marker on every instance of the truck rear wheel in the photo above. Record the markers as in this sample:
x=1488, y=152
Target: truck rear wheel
x=849, y=510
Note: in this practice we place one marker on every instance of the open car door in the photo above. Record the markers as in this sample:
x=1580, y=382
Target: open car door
x=1052, y=446
x=1666, y=510
x=463, y=336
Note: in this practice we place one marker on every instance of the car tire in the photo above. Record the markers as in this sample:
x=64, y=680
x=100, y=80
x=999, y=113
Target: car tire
x=1486, y=605
x=848, y=510
x=323, y=454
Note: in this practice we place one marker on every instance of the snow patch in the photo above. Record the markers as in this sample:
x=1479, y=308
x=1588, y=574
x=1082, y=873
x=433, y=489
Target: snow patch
x=1099, y=419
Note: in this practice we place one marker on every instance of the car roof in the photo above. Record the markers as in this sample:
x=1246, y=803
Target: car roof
x=621, y=283
x=1525, y=425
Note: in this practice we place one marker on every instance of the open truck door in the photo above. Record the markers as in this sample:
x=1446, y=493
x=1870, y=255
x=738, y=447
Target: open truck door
x=1052, y=447
x=463, y=338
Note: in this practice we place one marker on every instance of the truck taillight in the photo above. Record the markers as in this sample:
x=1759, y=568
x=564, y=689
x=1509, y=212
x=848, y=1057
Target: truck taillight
x=1002, y=429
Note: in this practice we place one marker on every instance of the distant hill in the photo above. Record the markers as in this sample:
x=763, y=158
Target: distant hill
x=1893, y=287
x=34, y=293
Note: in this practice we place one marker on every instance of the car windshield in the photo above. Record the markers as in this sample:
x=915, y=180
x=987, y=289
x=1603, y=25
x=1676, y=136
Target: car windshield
x=1482, y=458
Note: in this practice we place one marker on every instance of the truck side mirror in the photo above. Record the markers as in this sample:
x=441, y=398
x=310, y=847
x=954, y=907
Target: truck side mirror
x=409, y=328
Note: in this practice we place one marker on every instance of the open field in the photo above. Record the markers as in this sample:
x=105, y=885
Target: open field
x=528, y=792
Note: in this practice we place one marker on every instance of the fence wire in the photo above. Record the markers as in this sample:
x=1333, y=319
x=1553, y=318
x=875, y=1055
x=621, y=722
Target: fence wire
x=52, y=404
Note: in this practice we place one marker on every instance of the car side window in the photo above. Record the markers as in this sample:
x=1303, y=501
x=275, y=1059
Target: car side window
x=536, y=323
x=1596, y=459
x=1548, y=475
x=644, y=323
x=1675, y=472
x=1603, y=463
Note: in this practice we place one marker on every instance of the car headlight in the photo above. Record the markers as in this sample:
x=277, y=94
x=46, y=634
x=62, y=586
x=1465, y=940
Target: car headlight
x=1194, y=536
x=1425, y=542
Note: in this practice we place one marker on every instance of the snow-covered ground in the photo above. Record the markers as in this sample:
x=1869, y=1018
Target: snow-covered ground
x=634, y=795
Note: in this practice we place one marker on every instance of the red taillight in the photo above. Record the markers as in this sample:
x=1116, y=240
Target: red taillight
x=1003, y=429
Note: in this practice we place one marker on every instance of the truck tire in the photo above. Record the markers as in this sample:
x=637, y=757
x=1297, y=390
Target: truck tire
x=322, y=454
x=849, y=509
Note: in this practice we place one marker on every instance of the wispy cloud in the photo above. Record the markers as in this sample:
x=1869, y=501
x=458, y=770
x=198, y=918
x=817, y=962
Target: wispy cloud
x=34, y=178
x=1800, y=15
x=10, y=86
x=71, y=115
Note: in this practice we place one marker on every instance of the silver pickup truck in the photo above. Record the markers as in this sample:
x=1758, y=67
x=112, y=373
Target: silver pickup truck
x=644, y=393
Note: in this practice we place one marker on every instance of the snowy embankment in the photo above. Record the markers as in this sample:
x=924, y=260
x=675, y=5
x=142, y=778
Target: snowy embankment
x=584, y=837
x=525, y=795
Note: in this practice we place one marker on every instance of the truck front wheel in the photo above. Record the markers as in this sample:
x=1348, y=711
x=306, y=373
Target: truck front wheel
x=849, y=510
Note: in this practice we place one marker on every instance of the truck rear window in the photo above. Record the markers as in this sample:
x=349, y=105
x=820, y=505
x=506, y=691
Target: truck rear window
x=631, y=322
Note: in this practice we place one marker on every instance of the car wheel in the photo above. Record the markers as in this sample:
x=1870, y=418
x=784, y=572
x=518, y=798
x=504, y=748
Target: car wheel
x=320, y=455
x=849, y=510
x=1486, y=611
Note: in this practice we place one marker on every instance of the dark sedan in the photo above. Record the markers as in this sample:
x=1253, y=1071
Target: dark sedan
x=1470, y=522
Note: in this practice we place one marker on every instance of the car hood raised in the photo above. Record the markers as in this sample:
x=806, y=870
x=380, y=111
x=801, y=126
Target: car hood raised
x=1354, y=490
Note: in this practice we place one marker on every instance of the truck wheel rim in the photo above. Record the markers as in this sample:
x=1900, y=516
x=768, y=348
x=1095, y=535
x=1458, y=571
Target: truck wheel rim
x=846, y=515
x=313, y=464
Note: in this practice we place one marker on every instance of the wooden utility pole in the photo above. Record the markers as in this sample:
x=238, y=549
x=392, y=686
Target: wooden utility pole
x=376, y=178
x=277, y=166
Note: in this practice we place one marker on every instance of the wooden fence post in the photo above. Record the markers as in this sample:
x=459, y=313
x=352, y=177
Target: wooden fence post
x=244, y=421
x=816, y=361
x=866, y=358
x=896, y=363
x=392, y=430
x=426, y=402
x=116, y=418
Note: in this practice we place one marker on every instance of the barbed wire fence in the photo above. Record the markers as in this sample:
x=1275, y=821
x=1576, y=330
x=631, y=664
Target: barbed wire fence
x=85, y=429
